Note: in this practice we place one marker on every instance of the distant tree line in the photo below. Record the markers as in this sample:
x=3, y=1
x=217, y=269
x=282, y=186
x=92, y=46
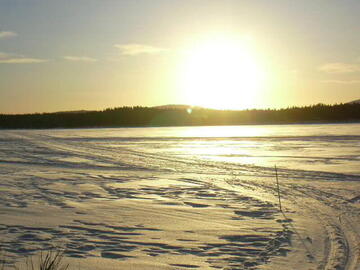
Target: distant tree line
x=145, y=116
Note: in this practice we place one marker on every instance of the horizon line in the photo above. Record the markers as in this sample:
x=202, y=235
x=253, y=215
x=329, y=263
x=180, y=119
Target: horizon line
x=185, y=106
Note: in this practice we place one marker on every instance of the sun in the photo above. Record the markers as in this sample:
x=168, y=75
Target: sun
x=221, y=73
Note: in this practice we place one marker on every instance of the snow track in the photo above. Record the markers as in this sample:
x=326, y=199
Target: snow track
x=338, y=217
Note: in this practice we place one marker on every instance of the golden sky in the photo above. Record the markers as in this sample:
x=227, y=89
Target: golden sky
x=91, y=54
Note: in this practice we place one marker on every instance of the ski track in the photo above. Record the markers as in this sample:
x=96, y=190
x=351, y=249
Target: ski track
x=337, y=215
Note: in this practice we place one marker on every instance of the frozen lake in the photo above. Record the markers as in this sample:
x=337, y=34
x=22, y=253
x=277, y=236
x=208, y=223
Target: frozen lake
x=208, y=191
x=300, y=149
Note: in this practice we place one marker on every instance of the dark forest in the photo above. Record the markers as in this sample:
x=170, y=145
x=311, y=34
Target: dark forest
x=181, y=116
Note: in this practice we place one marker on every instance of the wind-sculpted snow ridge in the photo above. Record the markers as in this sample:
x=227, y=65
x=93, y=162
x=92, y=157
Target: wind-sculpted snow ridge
x=180, y=203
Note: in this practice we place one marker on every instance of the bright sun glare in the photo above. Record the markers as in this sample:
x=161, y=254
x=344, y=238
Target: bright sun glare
x=221, y=73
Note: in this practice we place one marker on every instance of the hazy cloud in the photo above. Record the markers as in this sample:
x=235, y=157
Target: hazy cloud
x=136, y=49
x=6, y=58
x=341, y=81
x=339, y=68
x=7, y=34
x=80, y=58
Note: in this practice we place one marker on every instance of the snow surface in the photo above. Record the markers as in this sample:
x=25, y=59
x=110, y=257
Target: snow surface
x=183, y=198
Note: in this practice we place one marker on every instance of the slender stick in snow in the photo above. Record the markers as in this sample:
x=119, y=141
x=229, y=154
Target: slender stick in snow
x=278, y=188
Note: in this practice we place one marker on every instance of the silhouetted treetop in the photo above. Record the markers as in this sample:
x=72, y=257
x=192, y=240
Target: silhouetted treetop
x=180, y=116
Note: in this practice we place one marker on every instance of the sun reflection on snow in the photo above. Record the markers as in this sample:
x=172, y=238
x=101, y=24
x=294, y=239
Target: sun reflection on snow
x=241, y=152
x=222, y=131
